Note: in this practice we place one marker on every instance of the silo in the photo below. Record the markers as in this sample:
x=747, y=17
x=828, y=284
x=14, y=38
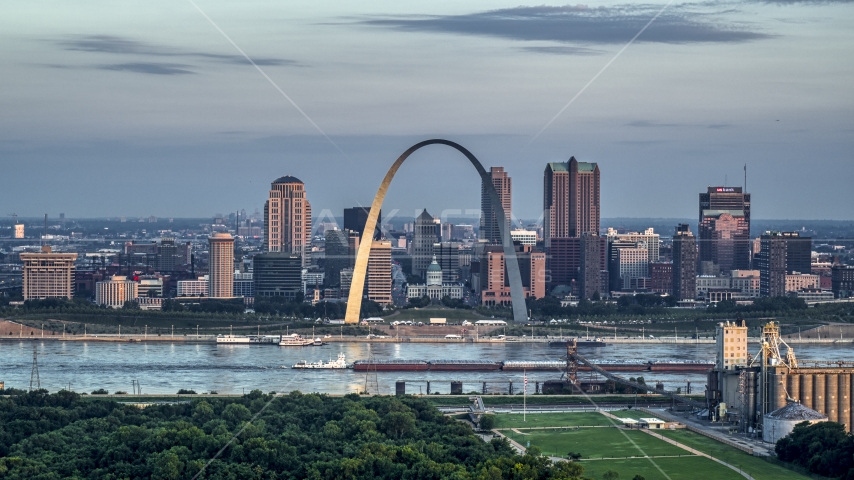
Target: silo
x=831, y=399
x=751, y=398
x=845, y=400
x=779, y=399
x=781, y=422
x=806, y=390
x=793, y=386
x=819, y=382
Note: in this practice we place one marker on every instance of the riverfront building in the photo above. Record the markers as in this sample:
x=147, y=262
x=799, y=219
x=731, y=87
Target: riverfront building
x=277, y=274
x=684, y=263
x=116, y=291
x=570, y=199
x=48, y=274
x=379, y=273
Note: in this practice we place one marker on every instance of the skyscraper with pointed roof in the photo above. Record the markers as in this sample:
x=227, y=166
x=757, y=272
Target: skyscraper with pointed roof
x=423, y=238
x=287, y=218
x=570, y=199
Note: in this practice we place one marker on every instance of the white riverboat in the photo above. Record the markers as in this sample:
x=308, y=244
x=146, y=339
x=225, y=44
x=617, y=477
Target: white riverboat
x=295, y=340
x=340, y=363
x=232, y=339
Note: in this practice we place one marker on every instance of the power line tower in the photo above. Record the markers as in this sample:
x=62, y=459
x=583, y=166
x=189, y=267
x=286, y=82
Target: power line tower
x=34, y=374
x=371, y=380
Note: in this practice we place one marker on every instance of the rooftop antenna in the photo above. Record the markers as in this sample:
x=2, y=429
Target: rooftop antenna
x=44, y=235
x=745, y=178
x=34, y=373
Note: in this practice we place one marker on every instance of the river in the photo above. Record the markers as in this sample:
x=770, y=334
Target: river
x=163, y=367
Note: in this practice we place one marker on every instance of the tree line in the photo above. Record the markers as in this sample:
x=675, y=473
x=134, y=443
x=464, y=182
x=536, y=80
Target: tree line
x=296, y=436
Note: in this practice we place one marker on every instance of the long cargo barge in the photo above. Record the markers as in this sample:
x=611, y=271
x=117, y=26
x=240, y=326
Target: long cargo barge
x=579, y=342
x=390, y=365
x=520, y=365
x=463, y=365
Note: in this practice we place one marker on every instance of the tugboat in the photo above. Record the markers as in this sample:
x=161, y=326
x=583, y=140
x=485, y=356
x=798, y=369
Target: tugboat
x=341, y=363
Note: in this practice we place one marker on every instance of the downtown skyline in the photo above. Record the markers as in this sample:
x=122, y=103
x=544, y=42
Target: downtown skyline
x=95, y=98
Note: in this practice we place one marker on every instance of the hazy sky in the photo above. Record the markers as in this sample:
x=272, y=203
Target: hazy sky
x=144, y=108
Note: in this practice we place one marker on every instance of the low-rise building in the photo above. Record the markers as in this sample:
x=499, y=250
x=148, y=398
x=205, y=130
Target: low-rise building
x=193, y=288
x=800, y=281
x=116, y=291
x=434, y=288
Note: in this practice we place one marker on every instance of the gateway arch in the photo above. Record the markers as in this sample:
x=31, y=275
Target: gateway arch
x=517, y=294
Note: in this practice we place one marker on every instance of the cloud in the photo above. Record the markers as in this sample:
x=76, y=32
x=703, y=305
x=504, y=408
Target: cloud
x=563, y=50
x=578, y=24
x=108, y=44
x=147, y=67
x=653, y=124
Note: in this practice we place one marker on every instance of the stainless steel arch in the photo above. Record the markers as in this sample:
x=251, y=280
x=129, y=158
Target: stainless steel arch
x=517, y=294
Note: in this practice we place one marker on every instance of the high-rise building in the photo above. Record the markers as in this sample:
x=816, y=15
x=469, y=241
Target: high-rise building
x=356, y=217
x=570, y=199
x=422, y=243
x=724, y=228
x=488, y=220
x=116, y=291
x=632, y=263
x=447, y=256
x=661, y=277
x=590, y=276
x=684, y=263
x=166, y=256
x=337, y=256
x=47, y=274
x=771, y=263
x=648, y=237
x=221, y=266
x=379, y=282
x=798, y=253
x=287, y=218
x=842, y=280
x=277, y=274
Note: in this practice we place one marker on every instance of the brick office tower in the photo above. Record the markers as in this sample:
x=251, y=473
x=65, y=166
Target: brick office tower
x=724, y=228
x=570, y=199
x=570, y=210
x=287, y=218
x=488, y=220
x=684, y=263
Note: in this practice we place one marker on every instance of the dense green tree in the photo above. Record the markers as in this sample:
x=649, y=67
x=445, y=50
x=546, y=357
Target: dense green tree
x=823, y=448
x=293, y=437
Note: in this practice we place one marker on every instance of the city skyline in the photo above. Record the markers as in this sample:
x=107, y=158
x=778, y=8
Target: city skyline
x=92, y=102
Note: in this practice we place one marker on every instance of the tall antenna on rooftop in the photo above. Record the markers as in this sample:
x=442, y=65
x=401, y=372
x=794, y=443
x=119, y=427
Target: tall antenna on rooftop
x=34, y=373
x=745, y=178
x=44, y=235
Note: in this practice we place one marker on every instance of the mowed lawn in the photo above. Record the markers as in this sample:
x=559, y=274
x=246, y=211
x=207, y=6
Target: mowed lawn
x=636, y=414
x=754, y=466
x=584, y=419
x=607, y=442
x=685, y=468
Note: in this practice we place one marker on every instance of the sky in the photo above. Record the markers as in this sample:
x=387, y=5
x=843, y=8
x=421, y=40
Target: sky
x=130, y=108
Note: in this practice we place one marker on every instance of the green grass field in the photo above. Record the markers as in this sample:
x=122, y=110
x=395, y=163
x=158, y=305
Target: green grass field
x=596, y=442
x=631, y=414
x=584, y=419
x=686, y=468
x=754, y=466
